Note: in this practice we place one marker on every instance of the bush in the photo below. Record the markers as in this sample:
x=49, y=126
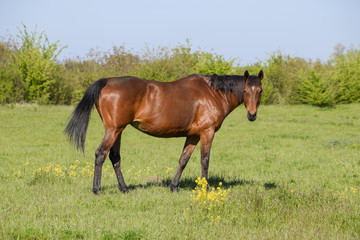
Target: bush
x=35, y=58
x=314, y=89
x=347, y=76
x=164, y=64
x=282, y=72
x=12, y=86
x=30, y=72
x=209, y=64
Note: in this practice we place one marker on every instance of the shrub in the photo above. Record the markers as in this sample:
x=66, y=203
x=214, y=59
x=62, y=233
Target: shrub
x=36, y=60
x=314, y=89
x=30, y=72
x=281, y=71
x=347, y=76
x=12, y=86
x=209, y=64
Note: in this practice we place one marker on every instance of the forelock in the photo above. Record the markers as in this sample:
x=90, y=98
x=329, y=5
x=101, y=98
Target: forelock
x=253, y=81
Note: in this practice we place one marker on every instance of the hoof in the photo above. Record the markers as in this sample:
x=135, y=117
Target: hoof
x=174, y=188
x=96, y=191
x=124, y=189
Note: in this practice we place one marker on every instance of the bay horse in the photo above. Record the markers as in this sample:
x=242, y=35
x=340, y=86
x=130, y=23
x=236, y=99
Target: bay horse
x=193, y=107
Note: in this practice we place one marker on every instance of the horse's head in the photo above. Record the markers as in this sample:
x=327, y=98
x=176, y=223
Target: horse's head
x=252, y=93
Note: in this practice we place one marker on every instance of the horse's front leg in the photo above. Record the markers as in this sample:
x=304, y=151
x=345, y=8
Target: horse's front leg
x=189, y=147
x=206, y=138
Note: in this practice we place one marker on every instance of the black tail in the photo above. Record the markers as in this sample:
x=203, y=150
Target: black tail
x=77, y=126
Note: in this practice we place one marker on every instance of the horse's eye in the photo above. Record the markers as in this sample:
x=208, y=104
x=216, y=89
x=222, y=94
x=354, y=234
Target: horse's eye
x=261, y=91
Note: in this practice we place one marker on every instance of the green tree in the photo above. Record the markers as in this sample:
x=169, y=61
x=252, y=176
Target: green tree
x=36, y=60
x=119, y=60
x=165, y=64
x=12, y=86
x=314, y=88
x=347, y=75
x=282, y=72
x=210, y=63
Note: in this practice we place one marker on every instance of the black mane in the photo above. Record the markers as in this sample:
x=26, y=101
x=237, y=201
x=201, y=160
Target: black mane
x=229, y=84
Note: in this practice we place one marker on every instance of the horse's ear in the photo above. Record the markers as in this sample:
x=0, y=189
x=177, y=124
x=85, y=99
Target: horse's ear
x=246, y=75
x=261, y=75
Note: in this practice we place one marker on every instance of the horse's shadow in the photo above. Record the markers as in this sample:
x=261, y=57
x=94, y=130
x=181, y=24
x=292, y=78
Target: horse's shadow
x=188, y=184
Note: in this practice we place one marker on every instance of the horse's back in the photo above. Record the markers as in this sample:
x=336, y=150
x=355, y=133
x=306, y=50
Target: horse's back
x=169, y=109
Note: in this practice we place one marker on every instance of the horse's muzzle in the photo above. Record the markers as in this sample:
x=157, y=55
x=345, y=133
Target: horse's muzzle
x=251, y=117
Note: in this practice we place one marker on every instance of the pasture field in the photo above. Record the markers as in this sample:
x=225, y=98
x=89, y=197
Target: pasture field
x=294, y=173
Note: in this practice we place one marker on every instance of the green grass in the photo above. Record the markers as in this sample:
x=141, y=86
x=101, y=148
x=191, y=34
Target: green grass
x=294, y=173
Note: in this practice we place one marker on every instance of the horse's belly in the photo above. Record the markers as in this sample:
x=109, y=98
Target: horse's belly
x=160, y=130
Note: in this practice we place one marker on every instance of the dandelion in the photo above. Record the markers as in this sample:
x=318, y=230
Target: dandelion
x=58, y=169
x=208, y=200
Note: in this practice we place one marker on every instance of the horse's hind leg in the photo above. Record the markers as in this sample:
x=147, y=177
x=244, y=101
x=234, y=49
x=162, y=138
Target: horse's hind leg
x=116, y=161
x=189, y=147
x=100, y=156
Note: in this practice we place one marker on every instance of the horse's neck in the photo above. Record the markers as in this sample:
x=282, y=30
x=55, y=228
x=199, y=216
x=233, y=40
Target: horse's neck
x=227, y=93
x=230, y=102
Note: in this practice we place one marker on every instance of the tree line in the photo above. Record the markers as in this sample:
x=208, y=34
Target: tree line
x=30, y=71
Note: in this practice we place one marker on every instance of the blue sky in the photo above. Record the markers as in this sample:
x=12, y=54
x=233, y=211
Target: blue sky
x=247, y=30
